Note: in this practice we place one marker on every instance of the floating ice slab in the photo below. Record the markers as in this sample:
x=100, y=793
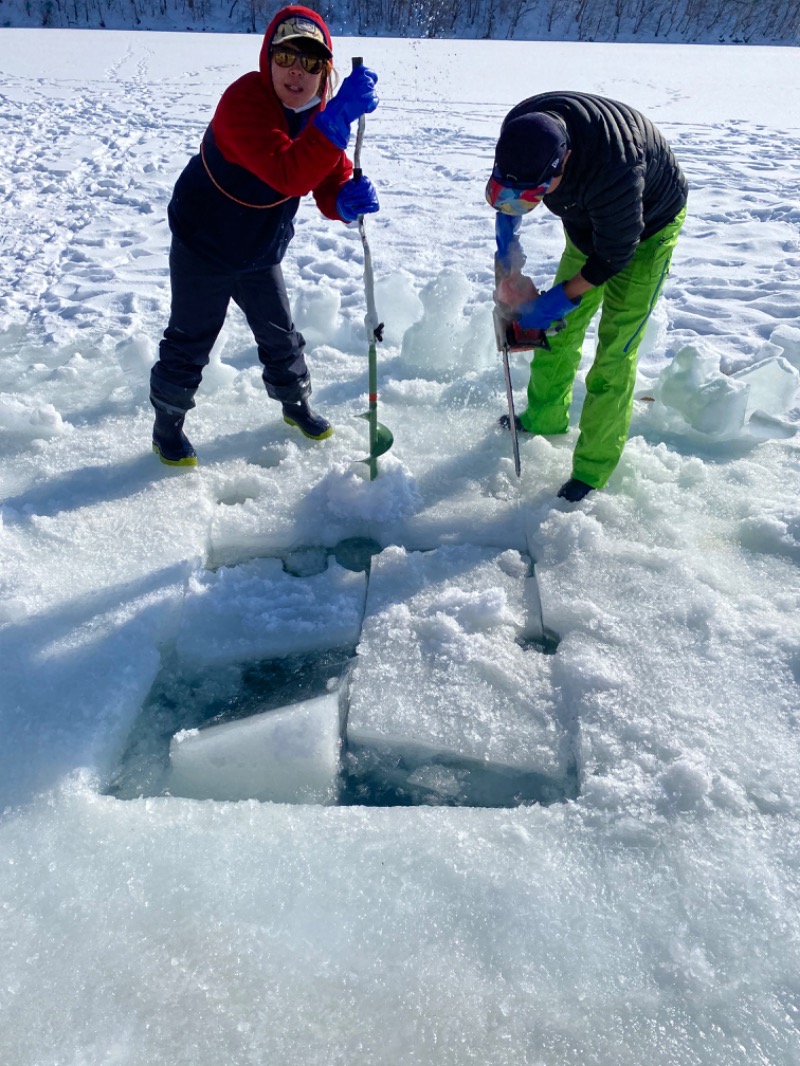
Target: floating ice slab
x=287, y=756
x=440, y=671
x=258, y=611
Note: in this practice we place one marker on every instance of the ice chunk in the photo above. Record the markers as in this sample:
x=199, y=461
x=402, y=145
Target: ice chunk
x=218, y=376
x=710, y=402
x=399, y=304
x=772, y=384
x=317, y=313
x=786, y=339
x=258, y=611
x=286, y=756
x=654, y=341
x=136, y=356
x=721, y=405
x=446, y=340
x=440, y=671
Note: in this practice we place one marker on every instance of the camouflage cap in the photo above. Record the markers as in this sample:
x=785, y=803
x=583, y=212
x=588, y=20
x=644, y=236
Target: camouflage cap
x=301, y=31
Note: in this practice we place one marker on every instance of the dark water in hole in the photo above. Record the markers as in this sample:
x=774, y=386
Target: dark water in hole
x=444, y=781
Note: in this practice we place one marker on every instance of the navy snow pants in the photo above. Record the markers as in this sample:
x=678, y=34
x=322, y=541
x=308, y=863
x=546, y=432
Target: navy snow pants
x=201, y=293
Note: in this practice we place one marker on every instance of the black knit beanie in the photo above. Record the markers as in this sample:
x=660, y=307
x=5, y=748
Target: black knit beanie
x=531, y=149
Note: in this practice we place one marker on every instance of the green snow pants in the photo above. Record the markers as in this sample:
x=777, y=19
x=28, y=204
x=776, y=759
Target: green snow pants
x=627, y=300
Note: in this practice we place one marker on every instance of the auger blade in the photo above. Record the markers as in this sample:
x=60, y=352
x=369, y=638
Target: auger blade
x=381, y=439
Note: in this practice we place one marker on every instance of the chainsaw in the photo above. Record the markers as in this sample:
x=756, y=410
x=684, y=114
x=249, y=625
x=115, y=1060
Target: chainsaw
x=511, y=337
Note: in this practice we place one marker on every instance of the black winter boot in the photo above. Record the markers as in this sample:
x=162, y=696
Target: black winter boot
x=573, y=490
x=310, y=424
x=170, y=443
x=504, y=422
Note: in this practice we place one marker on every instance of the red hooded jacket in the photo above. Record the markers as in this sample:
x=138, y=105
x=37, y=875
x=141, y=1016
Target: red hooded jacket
x=235, y=201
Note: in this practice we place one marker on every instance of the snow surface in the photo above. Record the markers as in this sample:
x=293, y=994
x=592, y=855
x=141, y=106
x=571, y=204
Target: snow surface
x=651, y=917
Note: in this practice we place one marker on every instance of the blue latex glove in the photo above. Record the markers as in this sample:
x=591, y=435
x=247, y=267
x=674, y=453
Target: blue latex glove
x=355, y=98
x=357, y=198
x=548, y=308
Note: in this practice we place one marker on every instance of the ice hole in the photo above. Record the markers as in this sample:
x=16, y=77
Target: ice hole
x=356, y=553
x=441, y=692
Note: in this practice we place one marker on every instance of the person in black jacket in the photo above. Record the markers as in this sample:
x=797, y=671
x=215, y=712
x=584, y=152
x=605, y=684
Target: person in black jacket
x=610, y=176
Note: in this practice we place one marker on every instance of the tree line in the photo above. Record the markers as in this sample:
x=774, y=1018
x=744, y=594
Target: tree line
x=726, y=21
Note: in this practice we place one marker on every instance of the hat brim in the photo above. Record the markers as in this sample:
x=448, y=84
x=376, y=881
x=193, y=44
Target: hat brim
x=306, y=44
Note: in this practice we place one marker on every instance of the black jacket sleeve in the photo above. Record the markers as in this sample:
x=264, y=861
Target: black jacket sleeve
x=615, y=223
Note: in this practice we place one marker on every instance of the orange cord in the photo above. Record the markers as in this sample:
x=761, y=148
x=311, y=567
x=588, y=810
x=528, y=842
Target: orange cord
x=242, y=203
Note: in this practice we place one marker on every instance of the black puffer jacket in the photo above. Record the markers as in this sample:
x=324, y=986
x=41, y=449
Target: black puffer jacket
x=621, y=184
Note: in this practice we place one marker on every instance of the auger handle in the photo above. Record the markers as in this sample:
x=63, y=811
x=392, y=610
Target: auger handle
x=358, y=61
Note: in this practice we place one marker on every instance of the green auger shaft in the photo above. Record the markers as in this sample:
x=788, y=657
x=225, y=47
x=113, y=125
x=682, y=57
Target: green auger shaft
x=380, y=438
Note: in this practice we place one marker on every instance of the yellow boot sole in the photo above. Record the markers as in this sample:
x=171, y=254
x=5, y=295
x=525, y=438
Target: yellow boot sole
x=189, y=460
x=323, y=436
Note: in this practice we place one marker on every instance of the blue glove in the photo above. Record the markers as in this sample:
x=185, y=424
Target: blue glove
x=355, y=98
x=548, y=308
x=357, y=198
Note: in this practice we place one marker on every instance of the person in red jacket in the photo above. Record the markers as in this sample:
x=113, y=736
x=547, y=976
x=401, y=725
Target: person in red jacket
x=274, y=137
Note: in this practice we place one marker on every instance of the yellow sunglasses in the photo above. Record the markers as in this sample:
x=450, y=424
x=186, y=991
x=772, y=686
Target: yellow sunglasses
x=287, y=57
